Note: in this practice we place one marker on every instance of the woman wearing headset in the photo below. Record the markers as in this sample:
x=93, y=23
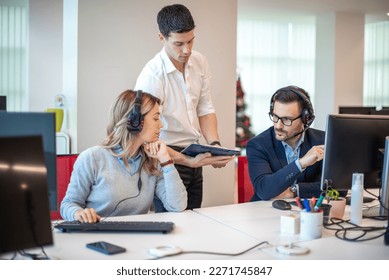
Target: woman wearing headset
x=122, y=175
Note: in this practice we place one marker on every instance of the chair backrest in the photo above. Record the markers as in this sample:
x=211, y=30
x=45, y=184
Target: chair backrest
x=64, y=171
x=245, y=188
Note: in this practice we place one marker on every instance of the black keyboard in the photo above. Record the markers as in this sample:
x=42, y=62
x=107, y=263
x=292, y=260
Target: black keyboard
x=117, y=226
x=366, y=199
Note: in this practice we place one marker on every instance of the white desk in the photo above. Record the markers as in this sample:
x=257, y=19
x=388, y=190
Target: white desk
x=261, y=221
x=256, y=219
x=193, y=232
x=229, y=229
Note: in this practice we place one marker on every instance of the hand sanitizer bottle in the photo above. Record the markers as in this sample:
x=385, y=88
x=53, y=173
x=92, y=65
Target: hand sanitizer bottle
x=356, y=199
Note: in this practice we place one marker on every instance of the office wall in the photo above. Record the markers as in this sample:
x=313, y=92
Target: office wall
x=45, y=53
x=115, y=39
x=339, y=63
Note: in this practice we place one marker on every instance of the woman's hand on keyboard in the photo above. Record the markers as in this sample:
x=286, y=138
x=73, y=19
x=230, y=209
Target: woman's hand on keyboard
x=87, y=215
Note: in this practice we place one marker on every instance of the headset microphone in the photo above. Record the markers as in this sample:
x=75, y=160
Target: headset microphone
x=296, y=134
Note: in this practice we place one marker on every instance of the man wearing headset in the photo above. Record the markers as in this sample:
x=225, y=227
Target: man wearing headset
x=285, y=160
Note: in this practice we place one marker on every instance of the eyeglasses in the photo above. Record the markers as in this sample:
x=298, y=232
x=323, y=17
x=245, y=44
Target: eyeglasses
x=285, y=121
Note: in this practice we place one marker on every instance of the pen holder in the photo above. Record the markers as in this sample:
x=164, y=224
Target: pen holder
x=326, y=208
x=311, y=224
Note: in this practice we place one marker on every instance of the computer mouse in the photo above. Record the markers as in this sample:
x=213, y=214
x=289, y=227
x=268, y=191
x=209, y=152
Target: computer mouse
x=163, y=251
x=281, y=204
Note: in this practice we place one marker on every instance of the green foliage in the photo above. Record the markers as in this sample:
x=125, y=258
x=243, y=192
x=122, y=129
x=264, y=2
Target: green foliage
x=332, y=194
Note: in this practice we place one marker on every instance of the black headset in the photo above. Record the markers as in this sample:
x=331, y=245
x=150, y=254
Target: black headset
x=307, y=113
x=135, y=117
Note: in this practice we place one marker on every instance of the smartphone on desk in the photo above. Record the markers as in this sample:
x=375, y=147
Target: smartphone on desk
x=105, y=247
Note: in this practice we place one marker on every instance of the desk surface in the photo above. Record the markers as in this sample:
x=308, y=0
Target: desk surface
x=228, y=229
x=261, y=221
x=193, y=232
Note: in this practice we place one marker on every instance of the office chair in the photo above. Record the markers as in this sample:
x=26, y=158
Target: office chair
x=64, y=171
x=245, y=188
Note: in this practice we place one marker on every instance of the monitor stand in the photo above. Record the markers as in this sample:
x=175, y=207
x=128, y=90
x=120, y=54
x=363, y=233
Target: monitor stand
x=385, y=187
x=381, y=212
x=385, y=181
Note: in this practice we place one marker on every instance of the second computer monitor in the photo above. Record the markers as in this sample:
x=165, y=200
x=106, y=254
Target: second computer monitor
x=35, y=124
x=354, y=144
x=24, y=204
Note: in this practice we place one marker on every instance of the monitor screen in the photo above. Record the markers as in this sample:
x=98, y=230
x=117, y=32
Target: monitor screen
x=29, y=124
x=3, y=103
x=24, y=205
x=354, y=144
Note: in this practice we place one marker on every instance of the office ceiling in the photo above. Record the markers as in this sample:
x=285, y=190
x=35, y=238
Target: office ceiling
x=375, y=10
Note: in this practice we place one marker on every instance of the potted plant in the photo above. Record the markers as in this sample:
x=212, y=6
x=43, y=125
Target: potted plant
x=338, y=204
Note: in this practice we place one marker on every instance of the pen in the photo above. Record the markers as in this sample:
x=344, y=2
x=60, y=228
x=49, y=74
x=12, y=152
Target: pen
x=306, y=204
x=313, y=203
x=299, y=204
x=319, y=202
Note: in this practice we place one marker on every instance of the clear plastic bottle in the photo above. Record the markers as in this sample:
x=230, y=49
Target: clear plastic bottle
x=356, y=199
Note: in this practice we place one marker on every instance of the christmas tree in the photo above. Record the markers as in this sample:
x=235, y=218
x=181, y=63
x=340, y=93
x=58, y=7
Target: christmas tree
x=243, y=123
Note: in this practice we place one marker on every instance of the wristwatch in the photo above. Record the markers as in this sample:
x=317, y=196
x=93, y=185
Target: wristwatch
x=170, y=161
x=215, y=143
x=294, y=189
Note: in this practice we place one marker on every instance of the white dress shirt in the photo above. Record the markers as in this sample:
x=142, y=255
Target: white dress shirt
x=183, y=100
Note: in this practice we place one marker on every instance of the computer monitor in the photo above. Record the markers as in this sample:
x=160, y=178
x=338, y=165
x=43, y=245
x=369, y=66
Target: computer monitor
x=383, y=111
x=354, y=144
x=360, y=110
x=363, y=110
x=31, y=124
x=24, y=205
x=3, y=103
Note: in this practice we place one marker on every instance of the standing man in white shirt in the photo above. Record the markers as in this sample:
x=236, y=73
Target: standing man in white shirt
x=181, y=78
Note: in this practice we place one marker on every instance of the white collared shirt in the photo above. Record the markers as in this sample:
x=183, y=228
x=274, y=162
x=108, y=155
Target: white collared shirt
x=183, y=100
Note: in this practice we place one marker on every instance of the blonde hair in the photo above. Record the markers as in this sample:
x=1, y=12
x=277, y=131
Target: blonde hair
x=117, y=133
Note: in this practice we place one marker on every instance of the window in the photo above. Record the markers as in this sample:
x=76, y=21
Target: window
x=271, y=55
x=376, y=71
x=13, y=53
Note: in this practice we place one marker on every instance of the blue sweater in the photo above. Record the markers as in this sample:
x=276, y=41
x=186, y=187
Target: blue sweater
x=100, y=181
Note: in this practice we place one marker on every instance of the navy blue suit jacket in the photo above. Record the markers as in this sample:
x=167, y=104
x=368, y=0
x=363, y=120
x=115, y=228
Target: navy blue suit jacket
x=270, y=172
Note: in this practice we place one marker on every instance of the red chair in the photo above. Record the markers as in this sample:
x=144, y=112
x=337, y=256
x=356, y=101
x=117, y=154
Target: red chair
x=245, y=188
x=64, y=171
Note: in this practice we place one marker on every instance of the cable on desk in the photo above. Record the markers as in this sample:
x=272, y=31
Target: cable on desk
x=213, y=253
x=40, y=256
x=12, y=258
x=345, y=227
x=377, y=217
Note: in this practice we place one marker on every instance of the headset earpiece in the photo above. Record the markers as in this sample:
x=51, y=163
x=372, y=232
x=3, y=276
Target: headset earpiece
x=135, y=117
x=307, y=114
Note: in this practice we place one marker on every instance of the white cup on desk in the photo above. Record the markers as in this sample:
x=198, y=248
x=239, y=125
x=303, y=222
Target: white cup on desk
x=311, y=224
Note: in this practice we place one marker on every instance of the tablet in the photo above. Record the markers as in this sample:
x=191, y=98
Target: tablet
x=194, y=149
